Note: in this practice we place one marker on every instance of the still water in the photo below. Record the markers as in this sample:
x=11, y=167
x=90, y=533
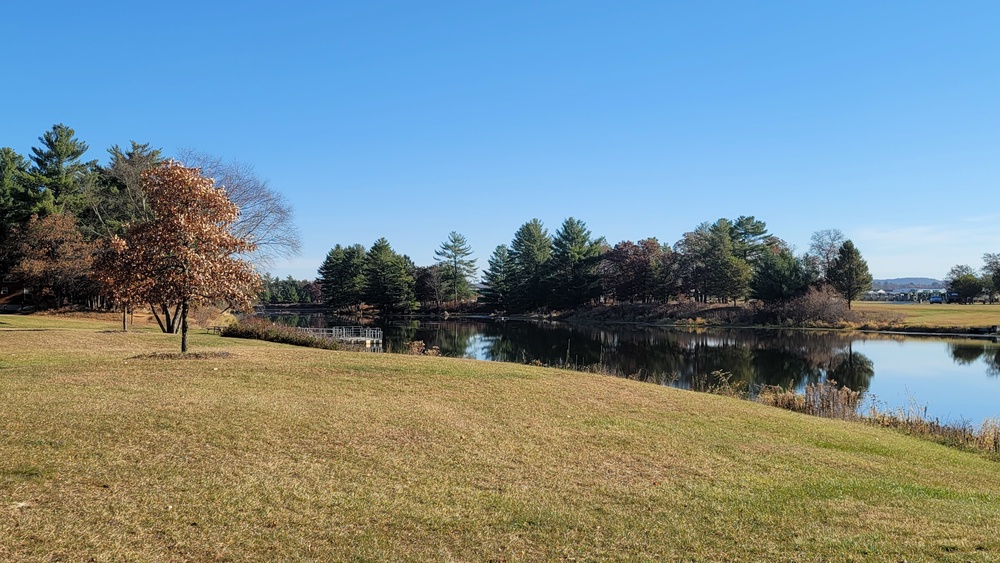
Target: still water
x=955, y=380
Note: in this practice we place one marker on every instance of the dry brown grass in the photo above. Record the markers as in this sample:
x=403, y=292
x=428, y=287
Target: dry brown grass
x=940, y=316
x=283, y=453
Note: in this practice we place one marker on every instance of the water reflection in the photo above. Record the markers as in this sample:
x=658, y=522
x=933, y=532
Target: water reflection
x=966, y=353
x=755, y=357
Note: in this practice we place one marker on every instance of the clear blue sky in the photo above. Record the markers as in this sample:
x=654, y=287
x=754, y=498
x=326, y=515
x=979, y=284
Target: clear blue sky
x=412, y=119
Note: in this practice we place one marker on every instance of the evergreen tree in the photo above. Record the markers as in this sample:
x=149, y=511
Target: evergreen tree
x=572, y=270
x=750, y=238
x=529, y=252
x=389, y=283
x=456, y=267
x=499, y=279
x=342, y=277
x=117, y=197
x=728, y=274
x=58, y=169
x=19, y=197
x=848, y=273
x=780, y=277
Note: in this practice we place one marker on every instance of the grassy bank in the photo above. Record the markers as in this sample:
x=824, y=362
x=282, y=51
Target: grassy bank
x=940, y=317
x=277, y=452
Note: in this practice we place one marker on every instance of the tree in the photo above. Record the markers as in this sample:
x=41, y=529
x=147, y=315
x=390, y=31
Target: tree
x=456, y=267
x=823, y=249
x=728, y=273
x=53, y=259
x=848, y=273
x=389, y=282
x=117, y=197
x=780, y=277
x=529, y=252
x=266, y=218
x=499, y=279
x=185, y=255
x=991, y=270
x=429, y=284
x=750, y=238
x=572, y=270
x=342, y=277
x=59, y=171
x=967, y=285
x=692, y=267
x=19, y=197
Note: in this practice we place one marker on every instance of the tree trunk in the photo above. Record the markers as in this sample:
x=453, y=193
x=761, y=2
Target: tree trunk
x=124, y=318
x=184, y=326
x=157, y=317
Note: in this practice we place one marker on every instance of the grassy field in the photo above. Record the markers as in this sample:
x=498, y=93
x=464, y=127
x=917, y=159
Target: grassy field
x=936, y=316
x=281, y=453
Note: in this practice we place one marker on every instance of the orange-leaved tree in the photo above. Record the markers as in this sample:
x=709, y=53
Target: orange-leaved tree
x=185, y=255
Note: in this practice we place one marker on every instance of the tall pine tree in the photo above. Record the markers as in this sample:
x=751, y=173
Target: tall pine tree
x=499, y=279
x=848, y=273
x=456, y=267
x=529, y=252
x=572, y=272
x=58, y=169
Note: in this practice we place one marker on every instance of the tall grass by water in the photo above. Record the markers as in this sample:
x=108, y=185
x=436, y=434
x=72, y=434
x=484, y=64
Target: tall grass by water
x=826, y=399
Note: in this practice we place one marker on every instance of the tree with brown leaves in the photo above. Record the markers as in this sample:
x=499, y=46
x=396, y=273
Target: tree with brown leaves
x=185, y=256
x=52, y=258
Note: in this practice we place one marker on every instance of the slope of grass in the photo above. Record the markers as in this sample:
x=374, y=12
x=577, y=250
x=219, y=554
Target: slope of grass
x=287, y=453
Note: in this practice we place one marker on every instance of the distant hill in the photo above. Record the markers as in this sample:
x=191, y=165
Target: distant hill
x=907, y=283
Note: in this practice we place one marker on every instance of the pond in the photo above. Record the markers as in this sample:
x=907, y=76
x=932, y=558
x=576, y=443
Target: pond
x=952, y=379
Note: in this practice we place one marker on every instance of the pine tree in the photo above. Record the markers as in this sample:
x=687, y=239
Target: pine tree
x=499, y=278
x=529, y=252
x=848, y=273
x=59, y=170
x=572, y=271
x=342, y=277
x=389, y=282
x=456, y=267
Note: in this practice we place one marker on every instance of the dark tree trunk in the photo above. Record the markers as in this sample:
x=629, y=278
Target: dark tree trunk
x=156, y=315
x=184, y=327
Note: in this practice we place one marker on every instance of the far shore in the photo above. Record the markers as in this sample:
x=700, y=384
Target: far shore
x=977, y=320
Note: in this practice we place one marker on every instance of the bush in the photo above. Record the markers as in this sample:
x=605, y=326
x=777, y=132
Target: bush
x=262, y=329
x=818, y=307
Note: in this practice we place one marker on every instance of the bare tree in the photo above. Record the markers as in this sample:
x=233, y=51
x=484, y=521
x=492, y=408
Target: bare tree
x=266, y=217
x=825, y=246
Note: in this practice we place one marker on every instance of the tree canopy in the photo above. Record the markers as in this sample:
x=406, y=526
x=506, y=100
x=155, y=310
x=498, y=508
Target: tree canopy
x=185, y=254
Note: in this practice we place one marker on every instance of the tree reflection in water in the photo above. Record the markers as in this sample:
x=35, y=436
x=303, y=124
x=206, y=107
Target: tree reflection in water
x=789, y=358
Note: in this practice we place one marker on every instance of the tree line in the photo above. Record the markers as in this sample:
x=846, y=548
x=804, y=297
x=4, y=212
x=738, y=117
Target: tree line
x=728, y=260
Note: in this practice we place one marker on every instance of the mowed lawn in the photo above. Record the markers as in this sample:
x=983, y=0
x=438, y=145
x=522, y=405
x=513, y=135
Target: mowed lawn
x=283, y=453
x=937, y=316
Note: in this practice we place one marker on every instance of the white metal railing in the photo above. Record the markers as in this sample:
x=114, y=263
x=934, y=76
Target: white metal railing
x=346, y=332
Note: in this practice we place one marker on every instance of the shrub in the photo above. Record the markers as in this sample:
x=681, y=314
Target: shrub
x=821, y=306
x=262, y=329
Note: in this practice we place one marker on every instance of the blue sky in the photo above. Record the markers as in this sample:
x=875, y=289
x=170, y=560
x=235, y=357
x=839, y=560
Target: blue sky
x=410, y=120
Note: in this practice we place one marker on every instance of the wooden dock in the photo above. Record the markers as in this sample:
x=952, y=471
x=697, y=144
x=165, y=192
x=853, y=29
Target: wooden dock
x=362, y=336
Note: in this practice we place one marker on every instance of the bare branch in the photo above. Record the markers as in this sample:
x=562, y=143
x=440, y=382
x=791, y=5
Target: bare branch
x=266, y=217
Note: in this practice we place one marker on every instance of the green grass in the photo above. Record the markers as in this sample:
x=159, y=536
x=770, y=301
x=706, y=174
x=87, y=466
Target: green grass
x=941, y=316
x=286, y=453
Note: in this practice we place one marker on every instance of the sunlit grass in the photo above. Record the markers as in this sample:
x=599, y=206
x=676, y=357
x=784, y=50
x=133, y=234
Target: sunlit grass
x=284, y=453
x=937, y=316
